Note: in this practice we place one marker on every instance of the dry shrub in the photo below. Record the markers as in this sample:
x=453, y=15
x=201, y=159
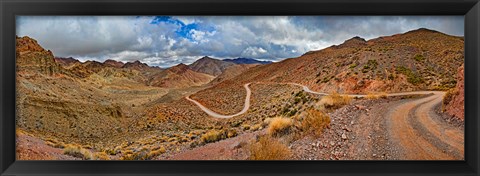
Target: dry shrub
x=448, y=97
x=114, y=151
x=371, y=96
x=54, y=143
x=334, y=101
x=143, y=154
x=266, y=122
x=315, y=122
x=232, y=133
x=268, y=148
x=77, y=151
x=256, y=127
x=279, y=126
x=374, y=96
x=212, y=136
x=101, y=156
x=156, y=152
x=383, y=95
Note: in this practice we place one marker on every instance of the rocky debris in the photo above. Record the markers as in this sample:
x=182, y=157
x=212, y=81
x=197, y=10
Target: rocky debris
x=353, y=135
x=360, y=107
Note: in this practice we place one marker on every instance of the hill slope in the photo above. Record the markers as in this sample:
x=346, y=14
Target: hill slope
x=417, y=60
x=179, y=76
x=210, y=66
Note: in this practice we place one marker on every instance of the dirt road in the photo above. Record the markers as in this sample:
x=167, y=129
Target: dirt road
x=246, y=106
x=419, y=133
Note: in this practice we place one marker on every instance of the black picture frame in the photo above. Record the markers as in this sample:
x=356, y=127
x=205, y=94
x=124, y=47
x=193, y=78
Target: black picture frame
x=9, y=9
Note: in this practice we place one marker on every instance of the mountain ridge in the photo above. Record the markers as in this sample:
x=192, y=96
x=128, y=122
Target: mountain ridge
x=242, y=60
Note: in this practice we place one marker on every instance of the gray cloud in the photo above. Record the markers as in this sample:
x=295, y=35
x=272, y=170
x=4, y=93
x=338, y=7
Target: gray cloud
x=184, y=39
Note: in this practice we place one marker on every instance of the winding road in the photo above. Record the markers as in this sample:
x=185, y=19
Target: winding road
x=416, y=127
x=216, y=115
x=305, y=88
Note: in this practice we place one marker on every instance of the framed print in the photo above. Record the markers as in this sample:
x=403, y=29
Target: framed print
x=226, y=88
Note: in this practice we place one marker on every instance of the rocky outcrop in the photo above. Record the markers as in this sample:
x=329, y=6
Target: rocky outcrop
x=454, y=100
x=31, y=57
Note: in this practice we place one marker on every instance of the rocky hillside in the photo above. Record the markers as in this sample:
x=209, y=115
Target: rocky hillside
x=454, y=100
x=31, y=57
x=232, y=72
x=210, y=66
x=87, y=102
x=421, y=59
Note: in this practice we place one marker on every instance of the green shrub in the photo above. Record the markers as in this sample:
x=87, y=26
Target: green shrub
x=419, y=58
x=412, y=77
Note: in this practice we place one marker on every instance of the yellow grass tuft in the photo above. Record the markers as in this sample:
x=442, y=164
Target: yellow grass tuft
x=279, y=126
x=374, y=96
x=268, y=148
x=101, y=156
x=315, y=122
x=232, y=133
x=212, y=136
x=77, y=151
x=334, y=101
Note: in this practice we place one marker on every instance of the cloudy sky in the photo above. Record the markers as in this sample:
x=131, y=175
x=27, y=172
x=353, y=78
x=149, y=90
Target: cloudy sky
x=169, y=40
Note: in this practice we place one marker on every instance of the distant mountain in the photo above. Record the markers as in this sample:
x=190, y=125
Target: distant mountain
x=136, y=65
x=247, y=61
x=112, y=63
x=66, y=62
x=179, y=76
x=210, y=66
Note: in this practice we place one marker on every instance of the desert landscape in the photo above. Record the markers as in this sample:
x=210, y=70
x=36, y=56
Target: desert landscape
x=397, y=97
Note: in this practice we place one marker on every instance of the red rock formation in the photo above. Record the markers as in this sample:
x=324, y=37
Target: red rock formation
x=455, y=106
x=31, y=57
